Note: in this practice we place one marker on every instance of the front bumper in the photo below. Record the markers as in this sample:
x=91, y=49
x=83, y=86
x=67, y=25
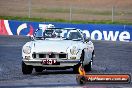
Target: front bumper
x=62, y=63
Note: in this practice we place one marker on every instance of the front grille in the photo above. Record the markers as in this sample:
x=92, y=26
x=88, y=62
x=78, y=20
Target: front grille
x=62, y=55
x=49, y=55
x=42, y=55
x=52, y=56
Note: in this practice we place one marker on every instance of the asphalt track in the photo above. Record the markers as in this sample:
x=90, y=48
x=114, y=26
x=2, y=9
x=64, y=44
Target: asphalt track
x=111, y=57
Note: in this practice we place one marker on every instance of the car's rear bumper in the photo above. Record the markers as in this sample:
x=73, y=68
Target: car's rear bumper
x=62, y=63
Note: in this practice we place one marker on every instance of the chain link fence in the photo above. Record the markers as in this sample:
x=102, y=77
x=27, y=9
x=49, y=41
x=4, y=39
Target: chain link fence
x=85, y=10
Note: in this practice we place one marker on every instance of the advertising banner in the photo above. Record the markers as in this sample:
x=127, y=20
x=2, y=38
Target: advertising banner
x=109, y=32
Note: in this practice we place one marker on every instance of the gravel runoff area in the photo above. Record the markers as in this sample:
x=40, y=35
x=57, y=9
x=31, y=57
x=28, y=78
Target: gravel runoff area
x=111, y=57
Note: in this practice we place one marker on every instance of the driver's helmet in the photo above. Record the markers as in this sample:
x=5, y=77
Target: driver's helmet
x=50, y=26
x=72, y=34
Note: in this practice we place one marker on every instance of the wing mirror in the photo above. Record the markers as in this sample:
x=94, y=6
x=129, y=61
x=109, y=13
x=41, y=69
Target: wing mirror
x=87, y=39
x=32, y=38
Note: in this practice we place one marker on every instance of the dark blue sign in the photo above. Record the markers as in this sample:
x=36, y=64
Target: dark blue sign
x=94, y=31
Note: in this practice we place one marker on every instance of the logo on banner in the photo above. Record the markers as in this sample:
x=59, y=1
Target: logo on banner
x=24, y=26
x=108, y=35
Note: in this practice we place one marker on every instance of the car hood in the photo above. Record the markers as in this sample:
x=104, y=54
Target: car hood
x=53, y=45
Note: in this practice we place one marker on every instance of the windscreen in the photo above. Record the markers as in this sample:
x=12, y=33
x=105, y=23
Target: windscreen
x=66, y=34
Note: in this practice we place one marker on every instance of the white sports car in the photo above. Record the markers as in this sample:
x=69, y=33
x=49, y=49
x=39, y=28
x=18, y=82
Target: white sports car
x=57, y=48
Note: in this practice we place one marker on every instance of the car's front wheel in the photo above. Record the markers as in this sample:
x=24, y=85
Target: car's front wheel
x=75, y=68
x=88, y=67
x=26, y=69
x=38, y=69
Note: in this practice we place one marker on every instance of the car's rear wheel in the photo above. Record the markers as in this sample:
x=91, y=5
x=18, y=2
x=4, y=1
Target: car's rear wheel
x=26, y=69
x=38, y=69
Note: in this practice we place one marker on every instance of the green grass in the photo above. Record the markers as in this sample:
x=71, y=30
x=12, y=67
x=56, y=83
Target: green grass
x=62, y=20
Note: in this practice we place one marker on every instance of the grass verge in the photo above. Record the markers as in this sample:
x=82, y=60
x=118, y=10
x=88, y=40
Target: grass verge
x=65, y=21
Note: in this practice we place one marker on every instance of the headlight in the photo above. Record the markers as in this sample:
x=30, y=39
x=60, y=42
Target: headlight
x=74, y=50
x=27, y=49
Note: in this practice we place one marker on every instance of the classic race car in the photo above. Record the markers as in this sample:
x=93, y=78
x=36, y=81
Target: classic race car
x=57, y=48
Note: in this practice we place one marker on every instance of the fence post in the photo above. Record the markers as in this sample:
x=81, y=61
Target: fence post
x=113, y=13
x=70, y=13
x=29, y=8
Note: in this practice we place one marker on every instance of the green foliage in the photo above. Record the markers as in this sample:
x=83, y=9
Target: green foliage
x=62, y=20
